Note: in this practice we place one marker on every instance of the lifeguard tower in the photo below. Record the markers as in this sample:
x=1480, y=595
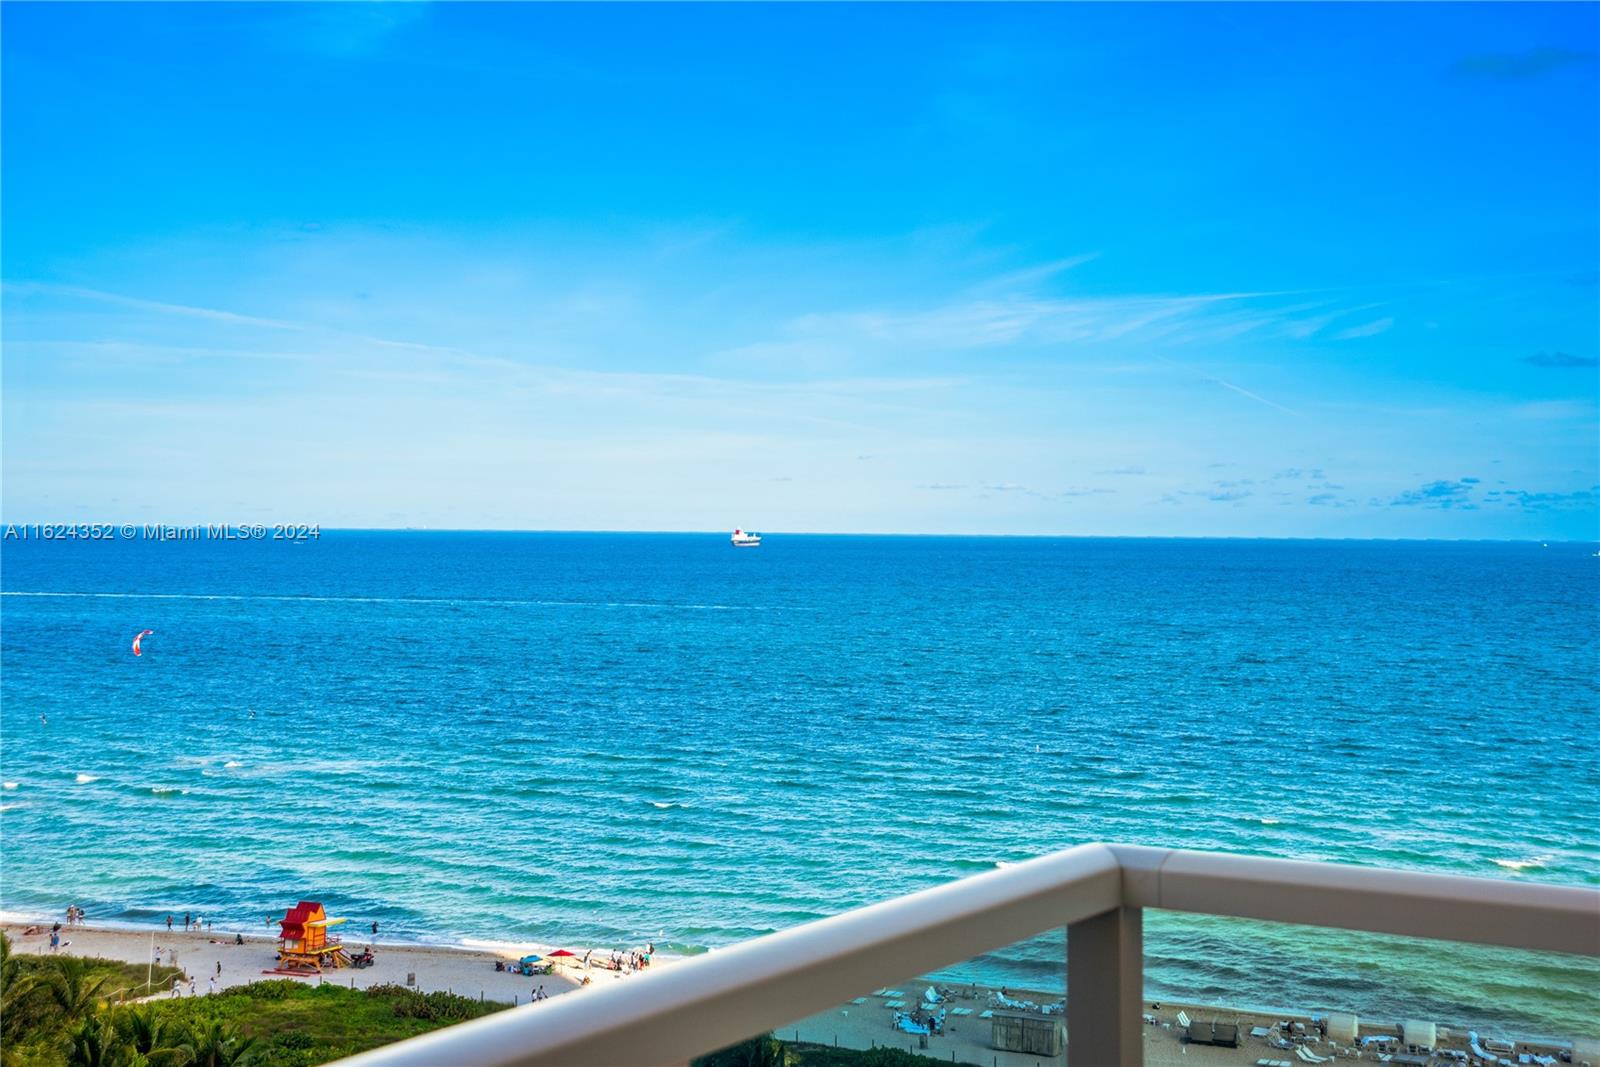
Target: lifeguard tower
x=304, y=944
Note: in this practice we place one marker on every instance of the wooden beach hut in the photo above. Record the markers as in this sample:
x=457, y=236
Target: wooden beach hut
x=303, y=941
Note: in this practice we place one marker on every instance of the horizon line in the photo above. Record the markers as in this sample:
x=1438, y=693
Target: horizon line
x=6, y=525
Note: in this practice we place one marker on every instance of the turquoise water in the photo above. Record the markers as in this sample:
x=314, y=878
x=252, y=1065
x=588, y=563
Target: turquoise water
x=607, y=739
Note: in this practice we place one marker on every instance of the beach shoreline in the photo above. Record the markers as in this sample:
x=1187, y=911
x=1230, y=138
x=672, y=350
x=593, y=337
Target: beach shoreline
x=220, y=955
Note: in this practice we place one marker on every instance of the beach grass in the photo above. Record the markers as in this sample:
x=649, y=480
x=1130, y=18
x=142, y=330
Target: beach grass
x=296, y=1025
x=123, y=981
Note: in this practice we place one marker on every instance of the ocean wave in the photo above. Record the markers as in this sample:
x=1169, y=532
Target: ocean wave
x=232, y=763
x=85, y=779
x=664, y=804
x=8, y=785
x=1536, y=863
x=167, y=790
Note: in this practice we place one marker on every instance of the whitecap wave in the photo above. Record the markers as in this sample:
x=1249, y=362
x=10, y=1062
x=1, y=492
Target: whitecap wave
x=85, y=779
x=9, y=785
x=1535, y=863
x=233, y=763
x=167, y=790
x=665, y=804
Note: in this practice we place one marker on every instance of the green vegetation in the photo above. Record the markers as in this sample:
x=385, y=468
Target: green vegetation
x=770, y=1052
x=62, y=1011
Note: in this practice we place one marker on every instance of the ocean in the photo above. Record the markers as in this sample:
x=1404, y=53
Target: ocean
x=607, y=739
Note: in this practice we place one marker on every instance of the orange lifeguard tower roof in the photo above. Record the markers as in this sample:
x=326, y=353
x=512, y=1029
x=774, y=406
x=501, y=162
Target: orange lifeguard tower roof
x=300, y=916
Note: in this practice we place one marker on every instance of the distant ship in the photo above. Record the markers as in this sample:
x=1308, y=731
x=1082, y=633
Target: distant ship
x=741, y=539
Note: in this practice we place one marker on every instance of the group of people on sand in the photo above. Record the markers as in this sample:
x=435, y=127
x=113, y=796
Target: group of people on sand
x=177, y=986
x=74, y=915
x=190, y=921
x=622, y=962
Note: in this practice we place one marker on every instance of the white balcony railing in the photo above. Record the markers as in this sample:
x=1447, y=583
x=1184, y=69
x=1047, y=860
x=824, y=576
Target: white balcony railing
x=1098, y=892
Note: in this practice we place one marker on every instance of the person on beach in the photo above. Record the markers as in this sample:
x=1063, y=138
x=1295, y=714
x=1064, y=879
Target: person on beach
x=177, y=987
x=219, y=968
x=158, y=955
x=169, y=924
x=55, y=940
x=212, y=982
x=191, y=987
x=238, y=939
x=374, y=929
x=186, y=920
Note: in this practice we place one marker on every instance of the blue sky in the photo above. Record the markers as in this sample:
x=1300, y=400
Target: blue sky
x=1192, y=270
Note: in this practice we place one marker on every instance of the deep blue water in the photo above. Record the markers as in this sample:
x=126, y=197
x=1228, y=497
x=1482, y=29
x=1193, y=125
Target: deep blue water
x=603, y=739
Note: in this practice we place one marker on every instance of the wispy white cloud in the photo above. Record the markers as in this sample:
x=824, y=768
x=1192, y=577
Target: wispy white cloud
x=1368, y=329
x=1550, y=410
x=229, y=318
x=998, y=320
x=1029, y=277
x=1241, y=390
x=232, y=318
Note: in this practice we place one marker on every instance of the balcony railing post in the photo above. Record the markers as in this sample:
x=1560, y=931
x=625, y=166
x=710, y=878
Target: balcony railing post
x=1105, y=989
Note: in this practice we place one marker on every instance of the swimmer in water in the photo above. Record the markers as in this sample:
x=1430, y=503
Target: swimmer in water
x=43, y=721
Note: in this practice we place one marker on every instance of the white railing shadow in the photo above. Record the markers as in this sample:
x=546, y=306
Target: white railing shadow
x=1097, y=892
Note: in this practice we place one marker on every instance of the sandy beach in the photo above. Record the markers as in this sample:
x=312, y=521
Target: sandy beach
x=466, y=971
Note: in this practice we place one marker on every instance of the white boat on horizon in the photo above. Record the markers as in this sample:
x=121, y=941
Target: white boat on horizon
x=742, y=539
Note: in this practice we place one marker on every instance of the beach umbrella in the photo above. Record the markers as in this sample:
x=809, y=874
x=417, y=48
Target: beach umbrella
x=530, y=958
x=561, y=952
